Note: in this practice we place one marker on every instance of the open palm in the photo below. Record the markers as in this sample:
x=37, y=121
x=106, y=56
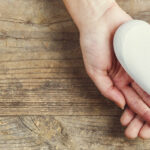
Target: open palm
x=103, y=67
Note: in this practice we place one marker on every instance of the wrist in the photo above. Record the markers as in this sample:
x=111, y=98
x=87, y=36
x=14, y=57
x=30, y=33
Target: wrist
x=87, y=12
x=109, y=20
x=93, y=14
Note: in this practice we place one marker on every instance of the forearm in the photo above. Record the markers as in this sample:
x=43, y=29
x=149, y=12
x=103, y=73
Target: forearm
x=87, y=12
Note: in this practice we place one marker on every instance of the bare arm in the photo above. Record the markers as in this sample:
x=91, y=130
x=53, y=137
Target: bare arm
x=86, y=13
x=97, y=21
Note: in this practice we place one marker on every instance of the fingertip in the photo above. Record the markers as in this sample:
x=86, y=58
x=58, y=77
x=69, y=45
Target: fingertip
x=115, y=96
x=145, y=132
x=120, y=105
x=133, y=129
x=130, y=136
x=122, y=122
x=143, y=136
x=118, y=98
x=126, y=117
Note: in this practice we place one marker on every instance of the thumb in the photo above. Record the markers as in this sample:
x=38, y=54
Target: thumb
x=105, y=85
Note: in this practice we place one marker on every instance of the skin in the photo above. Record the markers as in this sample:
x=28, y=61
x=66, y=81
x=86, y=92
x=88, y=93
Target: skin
x=135, y=124
x=96, y=40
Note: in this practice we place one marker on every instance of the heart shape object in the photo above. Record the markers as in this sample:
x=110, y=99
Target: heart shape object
x=132, y=48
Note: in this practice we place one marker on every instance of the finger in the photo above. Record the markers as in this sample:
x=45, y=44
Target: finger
x=141, y=93
x=107, y=88
x=134, y=127
x=126, y=117
x=145, y=132
x=136, y=104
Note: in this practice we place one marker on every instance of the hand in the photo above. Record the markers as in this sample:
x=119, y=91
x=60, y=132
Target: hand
x=135, y=124
x=102, y=66
x=97, y=22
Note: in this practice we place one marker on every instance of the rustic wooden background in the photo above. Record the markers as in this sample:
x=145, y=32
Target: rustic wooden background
x=42, y=73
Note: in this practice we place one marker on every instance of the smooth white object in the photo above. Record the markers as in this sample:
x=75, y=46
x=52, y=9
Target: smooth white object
x=132, y=49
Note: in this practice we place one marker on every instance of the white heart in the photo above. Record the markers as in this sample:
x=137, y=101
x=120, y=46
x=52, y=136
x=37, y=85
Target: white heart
x=132, y=49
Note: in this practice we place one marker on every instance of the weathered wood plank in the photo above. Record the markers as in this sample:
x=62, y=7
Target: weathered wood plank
x=65, y=133
x=41, y=66
x=42, y=73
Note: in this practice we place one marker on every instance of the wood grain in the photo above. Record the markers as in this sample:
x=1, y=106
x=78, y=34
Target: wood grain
x=42, y=73
x=41, y=66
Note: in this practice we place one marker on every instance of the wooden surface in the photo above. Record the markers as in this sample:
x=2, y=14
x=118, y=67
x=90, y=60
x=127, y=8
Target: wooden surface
x=42, y=73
